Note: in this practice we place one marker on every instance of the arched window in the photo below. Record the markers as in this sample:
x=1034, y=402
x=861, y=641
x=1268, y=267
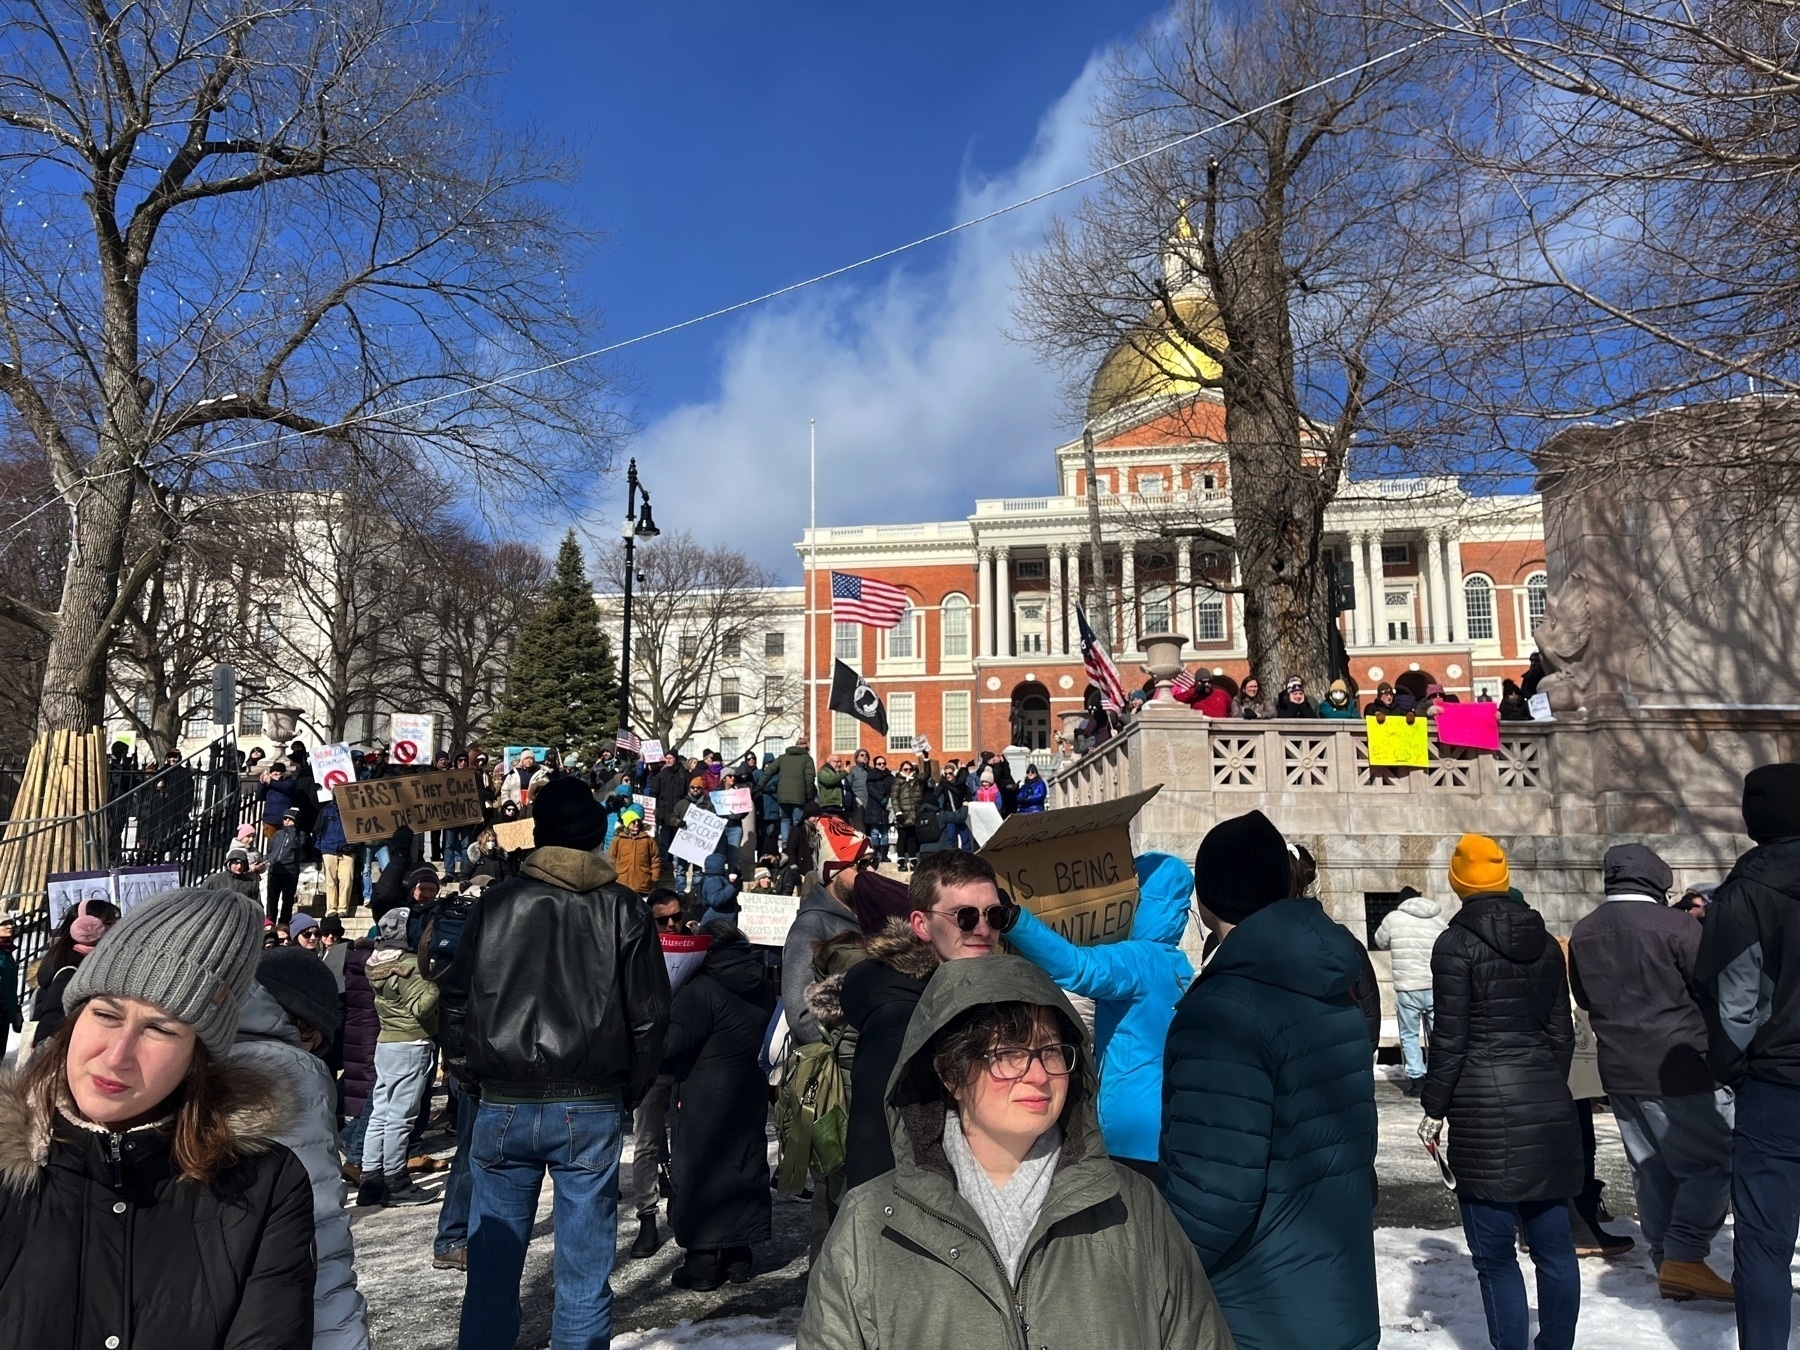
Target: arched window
x=955, y=612
x=1537, y=600
x=1478, y=608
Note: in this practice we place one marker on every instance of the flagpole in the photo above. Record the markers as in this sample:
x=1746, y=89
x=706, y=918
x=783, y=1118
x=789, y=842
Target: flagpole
x=812, y=562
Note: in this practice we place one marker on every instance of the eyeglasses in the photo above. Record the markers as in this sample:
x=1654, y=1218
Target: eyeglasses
x=1014, y=1063
x=668, y=920
x=999, y=917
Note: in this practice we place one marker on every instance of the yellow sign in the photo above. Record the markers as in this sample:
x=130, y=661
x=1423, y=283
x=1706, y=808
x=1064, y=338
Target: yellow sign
x=1399, y=742
x=1073, y=867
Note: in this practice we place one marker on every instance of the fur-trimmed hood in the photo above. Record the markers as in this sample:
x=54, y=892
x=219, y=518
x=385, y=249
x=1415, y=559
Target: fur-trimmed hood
x=260, y=1108
x=896, y=948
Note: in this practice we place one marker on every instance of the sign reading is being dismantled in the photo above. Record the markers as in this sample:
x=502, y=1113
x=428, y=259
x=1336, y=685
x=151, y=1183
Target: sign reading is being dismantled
x=1073, y=867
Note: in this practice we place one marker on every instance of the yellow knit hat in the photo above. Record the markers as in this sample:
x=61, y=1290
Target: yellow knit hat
x=1478, y=867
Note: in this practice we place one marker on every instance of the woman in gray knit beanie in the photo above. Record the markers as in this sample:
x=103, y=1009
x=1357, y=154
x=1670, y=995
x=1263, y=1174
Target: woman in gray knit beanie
x=131, y=1122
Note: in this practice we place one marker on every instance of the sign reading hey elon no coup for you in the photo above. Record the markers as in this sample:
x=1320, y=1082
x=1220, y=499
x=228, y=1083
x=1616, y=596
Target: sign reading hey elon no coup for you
x=374, y=809
x=1073, y=867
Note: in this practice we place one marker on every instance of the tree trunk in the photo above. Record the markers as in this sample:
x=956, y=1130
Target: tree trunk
x=74, y=697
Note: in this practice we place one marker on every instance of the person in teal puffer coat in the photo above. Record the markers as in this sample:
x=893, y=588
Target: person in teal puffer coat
x=1268, y=1131
x=1135, y=986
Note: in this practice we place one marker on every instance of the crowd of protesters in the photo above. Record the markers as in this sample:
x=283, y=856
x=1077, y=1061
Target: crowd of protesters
x=1004, y=1135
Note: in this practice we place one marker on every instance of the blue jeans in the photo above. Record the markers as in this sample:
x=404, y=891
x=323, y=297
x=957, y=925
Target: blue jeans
x=453, y=1220
x=402, y=1073
x=1491, y=1228
x=1680, y=1154
x=511, y=1149
x=1765, y=1200
x=357, y=1130
x=1414, y=1009
x=790, y=817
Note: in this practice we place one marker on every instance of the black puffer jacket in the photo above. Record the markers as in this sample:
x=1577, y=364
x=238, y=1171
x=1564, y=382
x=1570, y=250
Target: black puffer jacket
x=1501, y=1041
x=99, y=1239
x=878, y=998
x=1749, y=965
x=558, y=990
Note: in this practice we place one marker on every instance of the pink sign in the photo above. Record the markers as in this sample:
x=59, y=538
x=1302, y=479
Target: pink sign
x=1475, y=725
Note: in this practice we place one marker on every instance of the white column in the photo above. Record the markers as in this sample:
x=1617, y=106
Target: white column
x=1377, y=593
x=1128, y=620
x=984, y=581
x=1072, y=632
x=1183, y=609
x=1453, y=585
x=1431, y=577
x=1003, y=615
x=1359, y=582
x=1054, y=629
x=1239, y=640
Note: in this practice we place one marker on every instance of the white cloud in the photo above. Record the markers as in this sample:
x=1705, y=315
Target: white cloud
x=923, y=402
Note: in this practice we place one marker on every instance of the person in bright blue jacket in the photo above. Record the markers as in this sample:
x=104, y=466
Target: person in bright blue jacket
x=1268, y=1131
x=1135, y=986
x=1032, y=793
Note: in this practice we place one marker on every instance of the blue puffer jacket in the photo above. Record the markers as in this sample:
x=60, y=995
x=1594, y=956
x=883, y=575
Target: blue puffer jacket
x=1268, y=1143
x=716, y=891
x=1135, y=986
x=1032, y=793
x=330, y=837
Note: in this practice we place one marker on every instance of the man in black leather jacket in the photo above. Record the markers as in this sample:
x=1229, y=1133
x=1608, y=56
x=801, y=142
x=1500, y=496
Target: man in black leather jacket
x=555, y=1009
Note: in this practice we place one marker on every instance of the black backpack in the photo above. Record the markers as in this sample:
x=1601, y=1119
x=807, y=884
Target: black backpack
x=442, y=932
x=927, y=825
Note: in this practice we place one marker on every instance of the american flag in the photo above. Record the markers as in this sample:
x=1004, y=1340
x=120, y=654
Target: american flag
x=1183, y=683
x=1099, y=666
x=626, y=740
x=861, y=600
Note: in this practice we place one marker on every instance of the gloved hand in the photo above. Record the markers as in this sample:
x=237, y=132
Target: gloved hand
x=1429, y=1130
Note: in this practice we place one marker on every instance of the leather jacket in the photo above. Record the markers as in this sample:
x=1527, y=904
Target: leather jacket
x=558, y=990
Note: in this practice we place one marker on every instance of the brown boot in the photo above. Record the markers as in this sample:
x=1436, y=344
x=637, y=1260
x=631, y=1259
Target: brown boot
x=1683, y=1280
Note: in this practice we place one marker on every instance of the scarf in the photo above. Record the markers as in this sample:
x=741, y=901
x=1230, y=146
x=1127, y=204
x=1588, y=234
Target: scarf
x=1008, y=1212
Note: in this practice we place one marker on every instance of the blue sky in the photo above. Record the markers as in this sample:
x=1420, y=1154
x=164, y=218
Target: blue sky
x=731, y=148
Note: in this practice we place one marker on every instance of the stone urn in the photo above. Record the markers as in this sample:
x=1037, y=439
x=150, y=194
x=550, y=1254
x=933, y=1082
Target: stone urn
x=1162, y=658
x=280, y=724
x=1071, y=723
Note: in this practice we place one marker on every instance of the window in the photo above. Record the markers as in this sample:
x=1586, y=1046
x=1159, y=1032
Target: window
x=956, y=720
x=900, y=637
x=732, y=644
x=729, y=748
x=955, y=615
x=1030, y=569
x=774, y=644
x=199, y=720
x=1159, y=610
x=250, y=716
x=1210, y=617
x=1150, y=484
x=1396, y=555
x=1537, y=600
x=729, y=700
x=774, y=701
x=774, y=745
x=268, y=624
x=688, y=646
x=846, y=734
x=1209, y=481
x=1028, y=628
x=1478, y=608
x=846, y=641
x=900, y=721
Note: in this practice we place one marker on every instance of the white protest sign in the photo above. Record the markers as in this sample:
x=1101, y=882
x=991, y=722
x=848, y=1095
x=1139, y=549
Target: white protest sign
x=411, y=734
x=732, y=801
x=134, y=884
x=650, y=751
x=683, y=954
x=765, y=917
x=698, y=836
x=648, y=806
x=333, y=766
x=984, y=821
x=1540, y=708
x=65, y=890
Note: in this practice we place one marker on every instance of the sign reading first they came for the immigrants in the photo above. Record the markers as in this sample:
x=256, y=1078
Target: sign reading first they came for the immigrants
x=372, y=810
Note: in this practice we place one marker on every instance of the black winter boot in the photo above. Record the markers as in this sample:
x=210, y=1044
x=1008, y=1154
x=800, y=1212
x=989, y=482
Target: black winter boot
x=372, y=1191
x=1590, y=1238
x=649, y=1241
x=402, y=1190
x=702, y=1272
x=739, y=1264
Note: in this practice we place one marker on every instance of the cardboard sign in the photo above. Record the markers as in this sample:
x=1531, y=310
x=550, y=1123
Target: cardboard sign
x=682, y=954
x=650, y=751
x=516, y=834
x=765, y=917
x=333, y=766
x=1474, y=725
x=1540, y=708
x=1394, y=743
x=412, y=736
x=1073, y=867
x=698, y=838
x=374, y=809
x=731, y=801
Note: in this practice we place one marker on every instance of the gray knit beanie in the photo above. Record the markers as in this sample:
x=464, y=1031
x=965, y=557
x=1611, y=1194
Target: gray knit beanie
x=190, y=952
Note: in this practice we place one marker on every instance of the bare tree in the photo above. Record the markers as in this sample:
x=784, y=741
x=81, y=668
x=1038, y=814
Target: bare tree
x=1257, y=282
x=694, y=614
x=33, y=549
x=470, y=599
x=253, y=227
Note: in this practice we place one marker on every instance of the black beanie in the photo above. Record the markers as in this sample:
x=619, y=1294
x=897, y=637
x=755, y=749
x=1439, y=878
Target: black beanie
x=1772, y=802
x=304, y=987
x=1242, y=865
x=565, y=814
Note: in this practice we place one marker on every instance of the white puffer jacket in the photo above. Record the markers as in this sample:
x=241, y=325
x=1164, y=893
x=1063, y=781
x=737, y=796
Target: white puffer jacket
x=1410, y=932
x=269, y=1041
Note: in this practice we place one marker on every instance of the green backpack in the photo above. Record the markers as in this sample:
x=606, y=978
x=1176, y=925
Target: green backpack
x=812, y=1114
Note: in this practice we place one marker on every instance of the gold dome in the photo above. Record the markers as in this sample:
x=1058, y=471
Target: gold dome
x=1154, y=362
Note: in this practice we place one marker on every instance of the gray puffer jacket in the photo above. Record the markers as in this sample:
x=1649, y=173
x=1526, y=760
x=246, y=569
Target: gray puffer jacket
x=268, y=1041
x=909, y=1263
x=1410, y=932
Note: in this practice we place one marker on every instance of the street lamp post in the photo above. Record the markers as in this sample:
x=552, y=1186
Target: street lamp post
x=637, y=525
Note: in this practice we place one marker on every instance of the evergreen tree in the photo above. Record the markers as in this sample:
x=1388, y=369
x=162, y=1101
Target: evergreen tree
x=563, y=688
